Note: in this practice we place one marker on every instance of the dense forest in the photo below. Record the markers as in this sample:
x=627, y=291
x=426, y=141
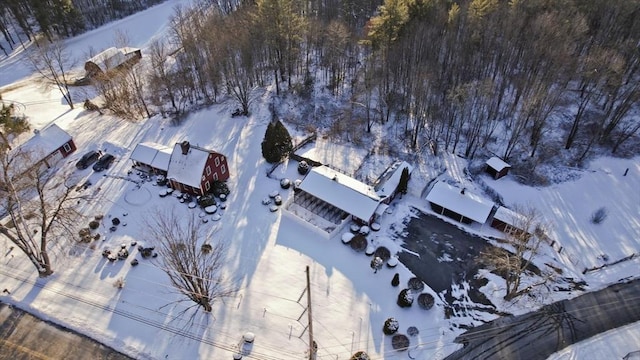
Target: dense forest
x=521, y=79
x=53, y=18
x=462, y=76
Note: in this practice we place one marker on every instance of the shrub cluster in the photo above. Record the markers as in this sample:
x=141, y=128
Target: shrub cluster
x=425, y=301
x=391, y=326
x=405, y=298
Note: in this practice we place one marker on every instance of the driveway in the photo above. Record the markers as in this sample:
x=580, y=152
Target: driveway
x=443, y=257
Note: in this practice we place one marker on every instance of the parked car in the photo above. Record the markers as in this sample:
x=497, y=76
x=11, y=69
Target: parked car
x=88, y=159
x=104, y=162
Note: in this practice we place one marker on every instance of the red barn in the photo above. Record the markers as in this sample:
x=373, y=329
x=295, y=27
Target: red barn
x=193, y=169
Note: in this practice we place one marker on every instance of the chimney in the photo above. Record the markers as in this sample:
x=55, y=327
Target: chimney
x=462, y=191
x=185, y=147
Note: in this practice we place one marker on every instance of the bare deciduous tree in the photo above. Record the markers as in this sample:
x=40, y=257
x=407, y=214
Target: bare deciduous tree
x=52, y=62
x=514, y=260
x=38, y=204
x=190, y=258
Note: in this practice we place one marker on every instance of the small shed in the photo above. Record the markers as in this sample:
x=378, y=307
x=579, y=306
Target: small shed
x=497, y=168
x=510, y=222
x=459, y=204
x=153, y=156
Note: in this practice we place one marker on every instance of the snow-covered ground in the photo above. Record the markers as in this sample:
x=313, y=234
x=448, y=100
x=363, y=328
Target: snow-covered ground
x=269, y=252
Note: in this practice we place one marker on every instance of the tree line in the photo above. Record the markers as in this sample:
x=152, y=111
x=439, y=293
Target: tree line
x=474, y=76
x=467, y=76
x=54, y=18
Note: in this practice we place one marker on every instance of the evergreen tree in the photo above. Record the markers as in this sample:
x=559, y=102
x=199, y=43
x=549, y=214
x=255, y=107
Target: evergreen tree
x=404, y=181
x=396, y=280
x=277, y=142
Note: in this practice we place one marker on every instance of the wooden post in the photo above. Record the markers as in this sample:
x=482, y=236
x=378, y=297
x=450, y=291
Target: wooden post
x=312, y=345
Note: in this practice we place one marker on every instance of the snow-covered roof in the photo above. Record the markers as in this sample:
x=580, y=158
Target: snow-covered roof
x=112, y=57
x=45, y=141
x=468, y=205
x=512, y=218
x=152, y=154
x=187, y=169
x=341, y=191
x=108, y=59
x=497, y=163
x=339, y=156
x=507, y=216
x=390, y=178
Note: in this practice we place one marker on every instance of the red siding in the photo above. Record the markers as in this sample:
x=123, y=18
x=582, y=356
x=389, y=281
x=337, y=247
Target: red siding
x=72, y=148
x=216, y=171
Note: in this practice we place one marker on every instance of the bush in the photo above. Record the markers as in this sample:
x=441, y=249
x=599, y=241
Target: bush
x=94, y=224
x=391, y=326
x=220, y=187
x=360, y=355
x=358, y=243
x=405, y=298
x=425, y=301
x=206, y=200
x=412, y=331
x=396, y=280
x=383, y=253
x=303, y=167
x=119, y=283
x=400, y=342
x=415, y=284
x=206, y=248
x=84, y=232
x=599, y=215
x=376, y=263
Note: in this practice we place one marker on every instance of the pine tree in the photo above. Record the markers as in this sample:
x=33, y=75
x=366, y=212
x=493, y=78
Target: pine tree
x=404, y=181
x=396, y=280
x=277, y=142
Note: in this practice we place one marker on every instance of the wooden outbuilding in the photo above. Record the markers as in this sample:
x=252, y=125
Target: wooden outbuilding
x=110, y=60
x=152, y=157
x=497, y=168
x=459, y=204
x=510, y=222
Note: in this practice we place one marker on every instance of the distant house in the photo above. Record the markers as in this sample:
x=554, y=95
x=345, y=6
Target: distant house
x=46, y=148
x=497, y=168
x=509, y=222
x=386, y=186
x=193, y=169
x=334, y=195
x=111, y=59
x=151, y=156
x=459, y=204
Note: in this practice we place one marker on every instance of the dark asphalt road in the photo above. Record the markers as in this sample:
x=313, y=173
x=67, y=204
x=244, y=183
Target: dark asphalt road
x=536, y=335
x=25, y=337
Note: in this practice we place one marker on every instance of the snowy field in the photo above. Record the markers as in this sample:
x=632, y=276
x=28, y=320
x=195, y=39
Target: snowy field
x=269, y=252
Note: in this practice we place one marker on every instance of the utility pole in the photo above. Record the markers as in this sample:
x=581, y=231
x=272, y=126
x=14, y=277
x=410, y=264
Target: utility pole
x=313, y=348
